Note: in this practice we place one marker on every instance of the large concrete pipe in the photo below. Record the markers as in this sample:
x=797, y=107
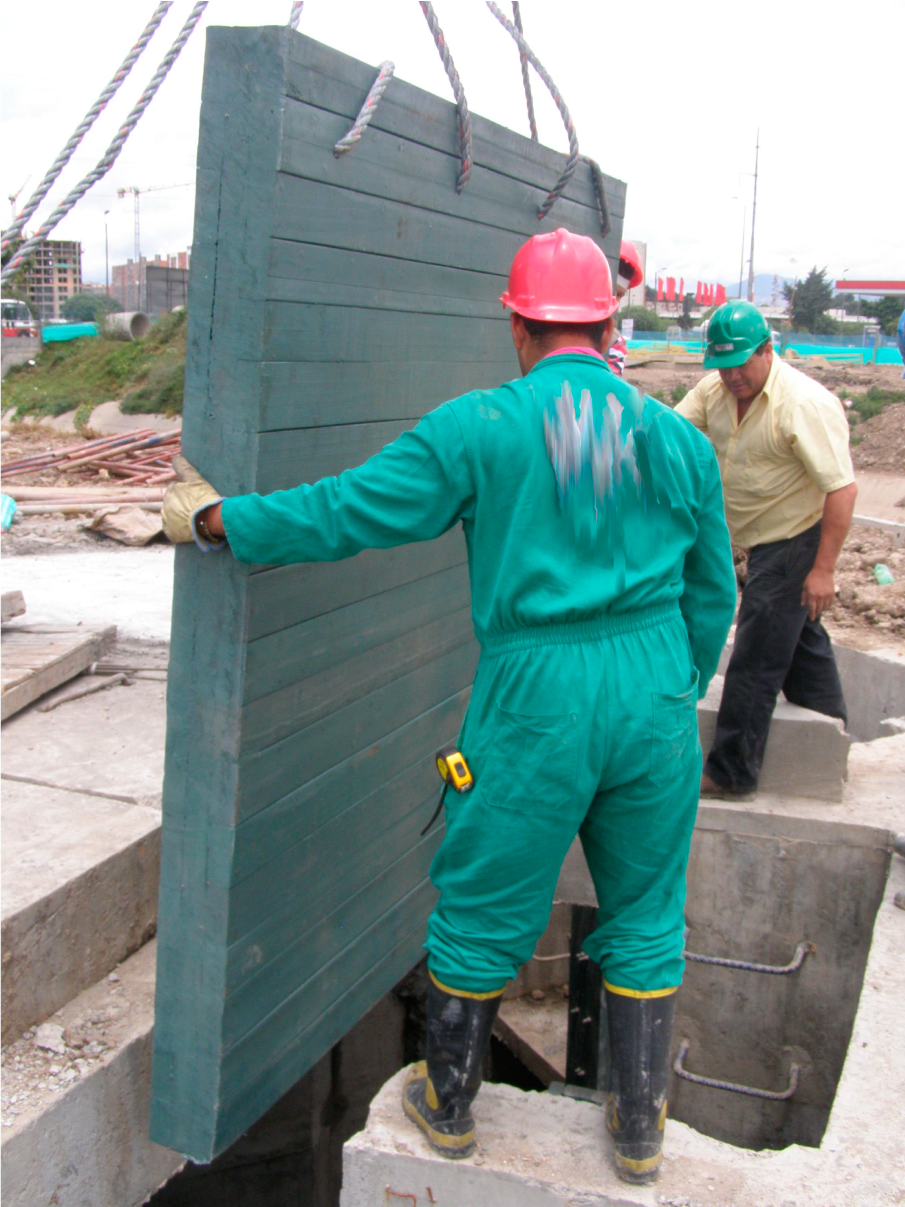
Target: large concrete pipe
x=128, y=324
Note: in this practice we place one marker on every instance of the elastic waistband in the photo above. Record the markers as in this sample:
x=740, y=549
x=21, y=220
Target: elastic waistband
x=610, y=624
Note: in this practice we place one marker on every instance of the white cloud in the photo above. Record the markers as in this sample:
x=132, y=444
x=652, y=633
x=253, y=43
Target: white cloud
x=668, y=97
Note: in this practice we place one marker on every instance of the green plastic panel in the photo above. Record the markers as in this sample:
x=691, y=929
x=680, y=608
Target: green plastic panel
x=332, y=303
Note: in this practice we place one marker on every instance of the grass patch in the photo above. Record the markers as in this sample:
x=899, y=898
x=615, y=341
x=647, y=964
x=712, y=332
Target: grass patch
x=871, y=402
x=678, y=392
x=83, y=373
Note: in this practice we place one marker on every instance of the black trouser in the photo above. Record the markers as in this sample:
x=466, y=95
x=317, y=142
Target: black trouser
x=776, y=647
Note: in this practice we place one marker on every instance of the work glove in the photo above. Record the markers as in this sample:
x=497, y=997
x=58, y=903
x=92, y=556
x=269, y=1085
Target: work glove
x=190, y=494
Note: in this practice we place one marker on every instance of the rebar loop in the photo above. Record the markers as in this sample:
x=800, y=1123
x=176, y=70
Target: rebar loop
x=802, y=950
x=751, y=1091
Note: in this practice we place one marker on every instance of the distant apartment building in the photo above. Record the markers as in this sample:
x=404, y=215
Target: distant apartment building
x=154, y=286
x=55, y=276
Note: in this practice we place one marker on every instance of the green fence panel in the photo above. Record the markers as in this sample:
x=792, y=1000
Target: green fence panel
x=332, y=303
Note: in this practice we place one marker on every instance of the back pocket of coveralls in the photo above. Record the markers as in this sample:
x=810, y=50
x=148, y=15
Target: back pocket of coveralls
x=675, y=732
x=532, y=764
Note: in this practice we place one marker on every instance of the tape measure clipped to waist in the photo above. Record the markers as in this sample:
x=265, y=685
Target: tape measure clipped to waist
x=455, y=773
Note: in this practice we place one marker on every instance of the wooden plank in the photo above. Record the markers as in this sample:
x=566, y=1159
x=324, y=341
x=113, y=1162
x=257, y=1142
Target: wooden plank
x=285, y=657
x=321, y=393
x=266, y=834
x=281, y=714
x=38, y=658
x=263, y=1087
x=281, y=596
x=305, y=272
x=339, y=84
x=301, y=332
x=257, y=986
x=279, y=1034
x=401, y=169
x=13, y=605
x=333, y=303
x=243, y=79
x=270, y=774
x=371, y=834
x=309, y=211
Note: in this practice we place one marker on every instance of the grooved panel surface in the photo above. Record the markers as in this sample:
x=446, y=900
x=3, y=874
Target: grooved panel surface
x=332, y=303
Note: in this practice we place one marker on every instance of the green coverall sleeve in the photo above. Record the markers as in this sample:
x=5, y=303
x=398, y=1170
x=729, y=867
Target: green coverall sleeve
x=708, y=601
x=412, y=490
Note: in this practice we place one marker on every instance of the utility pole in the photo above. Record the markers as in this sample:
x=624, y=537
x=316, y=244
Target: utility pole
x=741, y=263
x=753, y=213
x=106, y=257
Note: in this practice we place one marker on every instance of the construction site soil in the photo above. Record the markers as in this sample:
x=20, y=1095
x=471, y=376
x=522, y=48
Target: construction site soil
x=866, y=614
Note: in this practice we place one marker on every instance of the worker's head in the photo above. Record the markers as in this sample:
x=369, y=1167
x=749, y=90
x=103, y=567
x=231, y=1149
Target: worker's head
x=740, y=347
x=630, y=271
x=560, y=292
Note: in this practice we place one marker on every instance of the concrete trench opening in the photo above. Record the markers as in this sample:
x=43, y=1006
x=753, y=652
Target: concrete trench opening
x=754, y=896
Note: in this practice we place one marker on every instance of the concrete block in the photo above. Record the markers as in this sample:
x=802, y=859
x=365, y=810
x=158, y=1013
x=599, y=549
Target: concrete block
x=81, y=1132
x=891, y=727
x=806, y=755
x=79, y=894
x=874, y=686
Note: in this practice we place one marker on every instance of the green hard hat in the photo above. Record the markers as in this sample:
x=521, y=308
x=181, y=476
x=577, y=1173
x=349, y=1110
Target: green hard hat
x=736, y=330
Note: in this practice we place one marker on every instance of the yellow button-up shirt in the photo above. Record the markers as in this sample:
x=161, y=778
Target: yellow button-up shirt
x=777, y=465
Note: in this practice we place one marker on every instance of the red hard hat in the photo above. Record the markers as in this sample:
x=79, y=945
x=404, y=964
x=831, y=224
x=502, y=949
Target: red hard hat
x=560, y=278
x=629, y=255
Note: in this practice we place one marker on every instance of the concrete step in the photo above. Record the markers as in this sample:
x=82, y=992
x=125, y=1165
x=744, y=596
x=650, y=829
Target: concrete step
x=75, y=1120
x=806, y=755
x=79, y=893
x=81, y=840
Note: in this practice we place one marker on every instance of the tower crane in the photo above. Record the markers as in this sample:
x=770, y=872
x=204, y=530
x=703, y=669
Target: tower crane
x=136, y=193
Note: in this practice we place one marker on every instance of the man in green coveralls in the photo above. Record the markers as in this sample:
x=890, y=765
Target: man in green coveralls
x=602, y=593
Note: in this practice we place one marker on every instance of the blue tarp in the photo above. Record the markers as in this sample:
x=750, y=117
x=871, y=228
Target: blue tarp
x=58, y=333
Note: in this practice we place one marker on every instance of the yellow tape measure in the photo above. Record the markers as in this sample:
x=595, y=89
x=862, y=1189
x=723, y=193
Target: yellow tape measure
x=453, y=769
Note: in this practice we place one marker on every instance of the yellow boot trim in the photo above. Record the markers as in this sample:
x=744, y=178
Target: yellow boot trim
x=477, y=997
x=661, y=1122
x=439, y=1138
x=640, y=992
x=644, y=1166
x=430, y=1095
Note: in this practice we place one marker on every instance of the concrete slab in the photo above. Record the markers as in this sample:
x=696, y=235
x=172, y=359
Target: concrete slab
x=75, y=1124
x=79, y=894
x=131, y=588
x=111, y=742
x=806, y=753
x=538, y=1150
x=881, y=496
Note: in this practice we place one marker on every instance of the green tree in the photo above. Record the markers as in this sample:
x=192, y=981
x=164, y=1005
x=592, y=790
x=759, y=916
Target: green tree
x=685, y=320
x=809, y=299
x=88, y=307
x=885, y=311
x=645, y=318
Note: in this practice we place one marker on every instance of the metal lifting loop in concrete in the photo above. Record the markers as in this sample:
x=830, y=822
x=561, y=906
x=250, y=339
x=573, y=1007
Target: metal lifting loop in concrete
x=751, y=1091
x=802, y=950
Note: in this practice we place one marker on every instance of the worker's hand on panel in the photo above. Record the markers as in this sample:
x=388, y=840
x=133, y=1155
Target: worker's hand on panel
x=818, y=592
x=183, y=499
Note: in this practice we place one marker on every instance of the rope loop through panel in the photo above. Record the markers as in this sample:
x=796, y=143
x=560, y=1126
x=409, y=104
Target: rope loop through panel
x=85, y=124
x=523, y=59
x=366, y=112
x=110, y=155
x=572, y=163
x=295, y=13
x=458, y=92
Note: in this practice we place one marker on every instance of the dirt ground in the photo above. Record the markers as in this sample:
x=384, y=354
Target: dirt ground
x=878, y=444
x=655, y=375
x=866, y=614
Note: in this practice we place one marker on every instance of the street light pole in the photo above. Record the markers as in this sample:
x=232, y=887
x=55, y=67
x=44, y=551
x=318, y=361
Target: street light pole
x=741, y=266
x=753, y=216
x=106, y=257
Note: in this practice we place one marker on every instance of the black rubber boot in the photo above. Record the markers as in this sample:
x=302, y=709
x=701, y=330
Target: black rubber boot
x=640, y=1033
x=438, y=1092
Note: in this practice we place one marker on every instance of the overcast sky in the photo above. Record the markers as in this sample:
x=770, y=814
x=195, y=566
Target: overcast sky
x=667, y=97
